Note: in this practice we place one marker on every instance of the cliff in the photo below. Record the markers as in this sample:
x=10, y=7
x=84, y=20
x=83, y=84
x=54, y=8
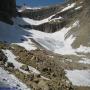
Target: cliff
x=7, y=10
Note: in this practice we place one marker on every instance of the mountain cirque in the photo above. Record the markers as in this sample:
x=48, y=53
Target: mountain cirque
x=45, y=48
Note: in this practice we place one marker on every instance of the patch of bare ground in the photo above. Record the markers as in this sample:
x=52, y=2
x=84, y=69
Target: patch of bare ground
x=82, y=88
x=50, y=65
x=54, y=75
x=47, y=65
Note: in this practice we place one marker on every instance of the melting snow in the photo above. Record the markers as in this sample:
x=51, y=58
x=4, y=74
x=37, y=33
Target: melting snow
x=79, y=77
x=85, y=61
x=83, y=49
x=68, y=7
x=27, y=7
x=12, y=57
x=79, y=7
x=36, y=22
x=15, y=34
x=11, y=80
x=56, y=42
x=56, y=19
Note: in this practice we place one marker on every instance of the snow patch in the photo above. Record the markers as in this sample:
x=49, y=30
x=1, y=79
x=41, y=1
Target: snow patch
x=23, y=8
x=79, y=77
x=15, y=35
x=78, y=8
x=54, y=19
x=12, y=81
x=56, y=42
x=83, y=49
x=85, y=61
x=68, y=7
x=36, y=22
x=28, y=45
x=76, y=24
x=11, y=58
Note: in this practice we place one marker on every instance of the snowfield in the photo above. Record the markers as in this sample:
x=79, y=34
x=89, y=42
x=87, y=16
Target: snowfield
x=83, y=49
x=85, y=61
x=15, y=35
x=68, y=7
x=78, y=8
x=11, y=80
x=55, y=42
x=27, y=7
x=79, y=77
x=37, y=22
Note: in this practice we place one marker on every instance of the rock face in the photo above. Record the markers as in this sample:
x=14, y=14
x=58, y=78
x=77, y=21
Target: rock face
x=40, y=14
x=3, y=58
x=7, y=10
x=47, y=27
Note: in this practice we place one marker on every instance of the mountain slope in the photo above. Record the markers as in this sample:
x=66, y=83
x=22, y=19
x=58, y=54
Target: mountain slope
x=44, y=38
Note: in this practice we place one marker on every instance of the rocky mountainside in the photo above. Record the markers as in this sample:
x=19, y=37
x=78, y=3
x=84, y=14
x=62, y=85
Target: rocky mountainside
x=7, y=10
x=45, y=48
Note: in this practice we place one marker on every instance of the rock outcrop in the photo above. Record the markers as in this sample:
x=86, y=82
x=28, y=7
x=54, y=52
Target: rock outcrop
x=49, y=27
x=39, y=14
x=7, y=10
x=3, y=58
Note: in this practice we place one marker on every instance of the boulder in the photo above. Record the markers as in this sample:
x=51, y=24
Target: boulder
x=25, y=67
x=3, y=58
x=10, y=65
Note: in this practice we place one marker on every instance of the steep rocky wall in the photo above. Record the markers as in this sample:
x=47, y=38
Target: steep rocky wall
x=47, y=27
x=40, y=14
x=7, y=10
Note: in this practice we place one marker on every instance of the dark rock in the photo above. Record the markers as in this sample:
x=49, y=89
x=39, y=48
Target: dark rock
x=22, y=39
x=25, y=67
x=7, y=10
x=8, y=7
x=40, y=14
x=10, y=65
x=51, y=26
x=31, y=77
x=1, y=63
x=3, y=58
x=36, y=80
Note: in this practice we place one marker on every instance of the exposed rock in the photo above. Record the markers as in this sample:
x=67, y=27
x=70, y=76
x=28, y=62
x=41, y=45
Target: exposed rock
x=25, y=67
x=40, y=14
x=7, y=10
x=49, y=67
x=9, y=65
x=3, y=58
x=4, y=45
x=31, y=76
x=49, y=27
x=2, y=63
